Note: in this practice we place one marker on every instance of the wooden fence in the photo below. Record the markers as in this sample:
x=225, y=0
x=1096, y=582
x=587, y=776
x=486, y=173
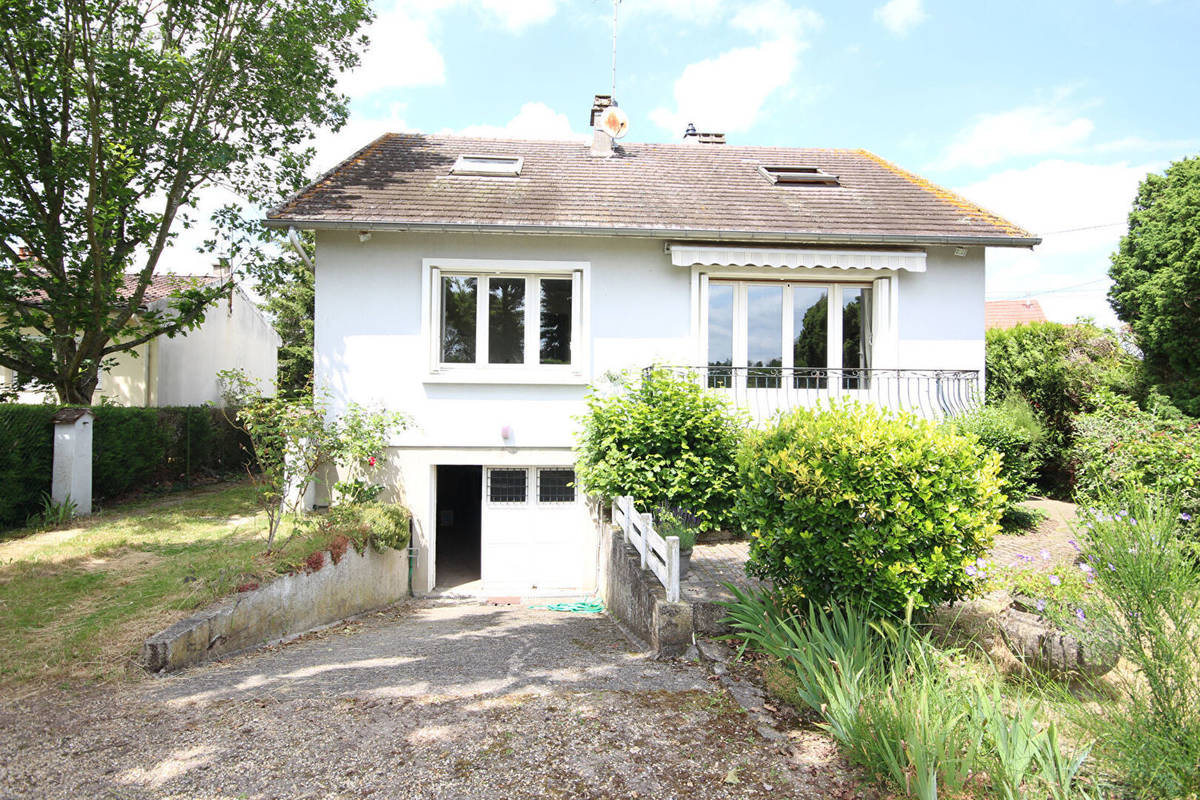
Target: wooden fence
x=659, y=555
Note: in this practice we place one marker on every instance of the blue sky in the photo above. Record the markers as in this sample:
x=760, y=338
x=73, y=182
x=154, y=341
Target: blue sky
x=1046, y=112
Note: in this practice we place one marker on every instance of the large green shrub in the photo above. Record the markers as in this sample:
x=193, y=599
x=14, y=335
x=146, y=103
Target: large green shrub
x=851, y=502
x=26, y=456
x=662, y=440
x=1013, y=431
x=1154, y=454
x=380, y=524
x=133, y=449
x=1056, y=368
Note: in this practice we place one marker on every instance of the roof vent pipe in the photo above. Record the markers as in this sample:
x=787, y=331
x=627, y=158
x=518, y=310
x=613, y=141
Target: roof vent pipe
x=690, y=136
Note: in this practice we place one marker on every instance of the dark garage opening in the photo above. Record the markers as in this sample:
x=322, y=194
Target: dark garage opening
x=459, y=502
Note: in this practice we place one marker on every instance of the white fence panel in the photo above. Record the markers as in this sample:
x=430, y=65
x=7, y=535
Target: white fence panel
x=659, y=555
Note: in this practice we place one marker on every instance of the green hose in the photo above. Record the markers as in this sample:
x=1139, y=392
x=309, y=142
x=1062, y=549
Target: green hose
x=582, y=607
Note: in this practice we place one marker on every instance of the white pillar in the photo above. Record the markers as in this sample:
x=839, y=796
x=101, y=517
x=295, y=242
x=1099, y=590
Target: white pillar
x=72, y=474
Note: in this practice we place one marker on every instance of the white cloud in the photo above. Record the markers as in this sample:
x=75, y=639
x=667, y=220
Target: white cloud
x=1028, y=131
x=701, y=11
x=516, y=15
x=1055, y=198
x=900, y=16
x=728, y=92
x=533, y=121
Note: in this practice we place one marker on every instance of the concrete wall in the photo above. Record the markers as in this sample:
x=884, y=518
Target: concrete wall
x=289, y=606
x=183, y=371
x=234, y=335
x=373, y=343
x=637, y=600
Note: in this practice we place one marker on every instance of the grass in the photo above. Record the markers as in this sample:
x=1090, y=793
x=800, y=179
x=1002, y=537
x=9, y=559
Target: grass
x=77, y=602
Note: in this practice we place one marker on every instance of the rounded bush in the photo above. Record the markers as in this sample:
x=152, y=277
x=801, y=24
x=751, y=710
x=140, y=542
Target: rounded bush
x=849, y=502
x=663, y=440
x=1011, y=429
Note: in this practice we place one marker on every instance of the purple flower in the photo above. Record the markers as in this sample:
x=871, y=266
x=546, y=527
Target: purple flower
x=980, y=563
x=1055, y=580
x=1080, y=615
x=1091, y=578
x=1085, y=567
x=1045, y=555
x=971, y=570
x=1074, y=544
x=1041, y=605
x=1185, y=517
x=1111, y=568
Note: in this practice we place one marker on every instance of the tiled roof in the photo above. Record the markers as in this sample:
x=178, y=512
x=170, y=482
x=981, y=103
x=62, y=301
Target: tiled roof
x=1007, y=313
x=682, y=190
x=160, y=286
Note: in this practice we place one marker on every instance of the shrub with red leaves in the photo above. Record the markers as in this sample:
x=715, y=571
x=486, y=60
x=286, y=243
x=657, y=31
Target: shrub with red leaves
x=248, y=586
x=315, y=561
x=338, y=547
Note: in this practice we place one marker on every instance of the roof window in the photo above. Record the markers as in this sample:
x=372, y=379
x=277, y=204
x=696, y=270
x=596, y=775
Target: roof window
x=493, y=166
x=799, y=175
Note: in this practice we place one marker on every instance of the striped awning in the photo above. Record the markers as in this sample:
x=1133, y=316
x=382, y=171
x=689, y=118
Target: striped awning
x=686, y=255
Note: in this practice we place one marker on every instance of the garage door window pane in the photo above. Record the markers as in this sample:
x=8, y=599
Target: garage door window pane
x=459, y=297
x=556, y=485
x=507, y=485
x=506, y=321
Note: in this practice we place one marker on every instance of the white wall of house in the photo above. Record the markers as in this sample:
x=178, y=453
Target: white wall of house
x=373, y=347
x=183, y=371
x=234, y=335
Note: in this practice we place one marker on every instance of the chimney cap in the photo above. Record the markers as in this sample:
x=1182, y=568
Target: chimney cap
x=691, y=131
x=599, y=103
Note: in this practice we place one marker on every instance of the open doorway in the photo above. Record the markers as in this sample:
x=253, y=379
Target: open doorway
x=459, y=505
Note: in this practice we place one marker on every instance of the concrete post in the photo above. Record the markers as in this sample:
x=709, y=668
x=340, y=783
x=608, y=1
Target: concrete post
x=72, y=473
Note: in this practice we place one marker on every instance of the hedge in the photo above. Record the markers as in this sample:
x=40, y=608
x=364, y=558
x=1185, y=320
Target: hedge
x=132, y=449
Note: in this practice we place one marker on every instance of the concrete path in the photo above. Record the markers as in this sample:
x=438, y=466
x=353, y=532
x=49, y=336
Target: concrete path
x=431, y=700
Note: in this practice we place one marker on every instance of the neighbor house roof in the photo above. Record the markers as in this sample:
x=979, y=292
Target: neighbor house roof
x=685, y=191
x=160, y=286
x=1007, y=313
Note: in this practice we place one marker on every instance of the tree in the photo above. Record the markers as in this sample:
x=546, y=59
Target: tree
x=113, y=115
x=1156, y=280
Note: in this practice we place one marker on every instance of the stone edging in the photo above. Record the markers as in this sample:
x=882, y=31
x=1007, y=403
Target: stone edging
x=284, y=608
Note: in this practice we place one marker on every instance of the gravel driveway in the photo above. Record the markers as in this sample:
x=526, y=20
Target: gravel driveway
x=431, y=700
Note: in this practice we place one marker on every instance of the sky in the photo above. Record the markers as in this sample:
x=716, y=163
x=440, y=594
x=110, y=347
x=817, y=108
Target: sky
x=1048, y=113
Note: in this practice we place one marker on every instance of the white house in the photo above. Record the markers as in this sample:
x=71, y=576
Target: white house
x=182, y=371
x=481, y=285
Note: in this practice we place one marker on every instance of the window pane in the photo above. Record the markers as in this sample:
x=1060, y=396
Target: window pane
x=459, y=298
x=810, y=332
x=556, y=485
x=506, y=320
x=720, y=334
x=764, y=311
x=507, y=485
x=856, y=336
x=556, y=321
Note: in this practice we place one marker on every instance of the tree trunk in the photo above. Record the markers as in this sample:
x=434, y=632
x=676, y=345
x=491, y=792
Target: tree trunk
x=77, y=393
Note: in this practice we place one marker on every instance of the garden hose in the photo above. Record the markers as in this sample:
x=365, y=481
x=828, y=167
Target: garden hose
x=581, y=607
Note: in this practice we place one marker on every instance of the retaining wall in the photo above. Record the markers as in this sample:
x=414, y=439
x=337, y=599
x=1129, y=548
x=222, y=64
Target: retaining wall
x=636, y=598
x=287, y=607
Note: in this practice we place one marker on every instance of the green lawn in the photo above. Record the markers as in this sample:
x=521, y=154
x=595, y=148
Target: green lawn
x=76, y=603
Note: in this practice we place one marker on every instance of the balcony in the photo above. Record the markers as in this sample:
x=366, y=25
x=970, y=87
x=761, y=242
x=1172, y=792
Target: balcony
x=765, y=391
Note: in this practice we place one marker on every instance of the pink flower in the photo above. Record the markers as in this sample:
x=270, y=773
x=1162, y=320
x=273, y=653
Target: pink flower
x=371, y=461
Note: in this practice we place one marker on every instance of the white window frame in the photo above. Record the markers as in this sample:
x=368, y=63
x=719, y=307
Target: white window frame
x=884, y=304
x=577, y=372
x=480, y=165
x=537, y=487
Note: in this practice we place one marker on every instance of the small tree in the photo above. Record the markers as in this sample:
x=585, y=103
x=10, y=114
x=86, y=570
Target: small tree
x=1156, y=279
x=293, y=438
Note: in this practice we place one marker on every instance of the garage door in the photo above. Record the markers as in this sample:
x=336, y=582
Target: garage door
x=536, y=533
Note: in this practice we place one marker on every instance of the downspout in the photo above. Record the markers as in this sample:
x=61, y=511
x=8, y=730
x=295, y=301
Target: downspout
x=294, y=240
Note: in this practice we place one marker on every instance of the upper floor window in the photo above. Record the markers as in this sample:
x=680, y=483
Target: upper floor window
x=770, y=330
x=507, y=319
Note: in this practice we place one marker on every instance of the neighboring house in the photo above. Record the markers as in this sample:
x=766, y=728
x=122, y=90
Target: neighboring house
x=481, y=285
x=1005, y=314
x=182, y=371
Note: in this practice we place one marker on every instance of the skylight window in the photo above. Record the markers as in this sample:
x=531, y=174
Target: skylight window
x=491, y=166
x=799, y=175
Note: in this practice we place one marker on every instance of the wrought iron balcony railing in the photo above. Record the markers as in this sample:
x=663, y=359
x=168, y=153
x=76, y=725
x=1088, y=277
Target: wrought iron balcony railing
x=764, y=391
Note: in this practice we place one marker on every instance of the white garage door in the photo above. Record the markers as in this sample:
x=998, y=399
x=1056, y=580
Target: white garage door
x=536, y=533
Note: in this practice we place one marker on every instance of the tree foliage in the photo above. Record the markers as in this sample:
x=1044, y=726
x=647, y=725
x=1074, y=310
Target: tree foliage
x=1156, y=279
x=113, y=114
